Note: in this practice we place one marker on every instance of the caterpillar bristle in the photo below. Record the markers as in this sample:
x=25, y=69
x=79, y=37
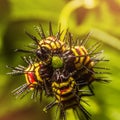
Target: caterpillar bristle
x=65, y=38
x=84, y=41
x=104, y=68
x=35, y=93
x=70, y=40
x=50, y=29
x=24, y=51
x=50, y=105
x=41, y=32
x=95, y=48
x=19, y=70
x=33, y=38
x=27, y=60
x=85, y=112
x=102, y=72
x=20, y=90
x=102, y=80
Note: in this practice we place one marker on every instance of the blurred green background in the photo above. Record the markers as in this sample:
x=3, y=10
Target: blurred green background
x=102, y=17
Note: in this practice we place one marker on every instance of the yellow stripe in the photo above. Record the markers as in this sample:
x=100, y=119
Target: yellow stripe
x=29, y=69
x=60, y=98
x=63, y=84
x=56, y=91
x=63, y=48
x=47, y=46
x=37, y=71
x=37, y=74
x=53, y=45
x=72, y=84
x=82, y=47
x=60, y=85
x=53, y=42
x=91, y=64
x=87, y=60
x=78, y=62
x=87, y=57
x=58, y=44
x=76, y=54
x=26, y=78
x=63, y=92
x=33, y=68
x=81, y=53
x=51, y=38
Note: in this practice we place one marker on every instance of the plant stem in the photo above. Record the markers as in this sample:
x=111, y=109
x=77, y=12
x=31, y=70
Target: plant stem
x=70, y=115
x=106, y=38
x=69, y=9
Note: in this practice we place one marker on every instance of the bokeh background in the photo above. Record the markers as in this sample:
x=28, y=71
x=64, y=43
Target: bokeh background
x=102, y=17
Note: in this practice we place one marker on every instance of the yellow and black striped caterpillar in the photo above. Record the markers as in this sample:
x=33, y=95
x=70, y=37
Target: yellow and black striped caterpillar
x=62, y=69
x=84, y=61
x=37, y=78
x=67, y=94
x=48, y=46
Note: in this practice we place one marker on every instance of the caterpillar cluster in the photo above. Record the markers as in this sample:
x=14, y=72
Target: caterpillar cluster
x=60, y=69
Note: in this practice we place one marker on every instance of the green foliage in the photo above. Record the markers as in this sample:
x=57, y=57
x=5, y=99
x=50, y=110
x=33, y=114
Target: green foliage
x=100, y=16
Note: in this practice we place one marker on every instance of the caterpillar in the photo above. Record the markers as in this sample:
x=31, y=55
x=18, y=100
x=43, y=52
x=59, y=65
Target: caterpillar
x=37, y=78
x=66, y=94
x=47, y=46
x=82, y=60
x=61, y=69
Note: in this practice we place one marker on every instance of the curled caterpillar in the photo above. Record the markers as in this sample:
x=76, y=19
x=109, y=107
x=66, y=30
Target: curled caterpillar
x=61, y=69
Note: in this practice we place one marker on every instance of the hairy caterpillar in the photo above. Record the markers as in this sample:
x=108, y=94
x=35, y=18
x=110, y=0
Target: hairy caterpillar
x=62, y=69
